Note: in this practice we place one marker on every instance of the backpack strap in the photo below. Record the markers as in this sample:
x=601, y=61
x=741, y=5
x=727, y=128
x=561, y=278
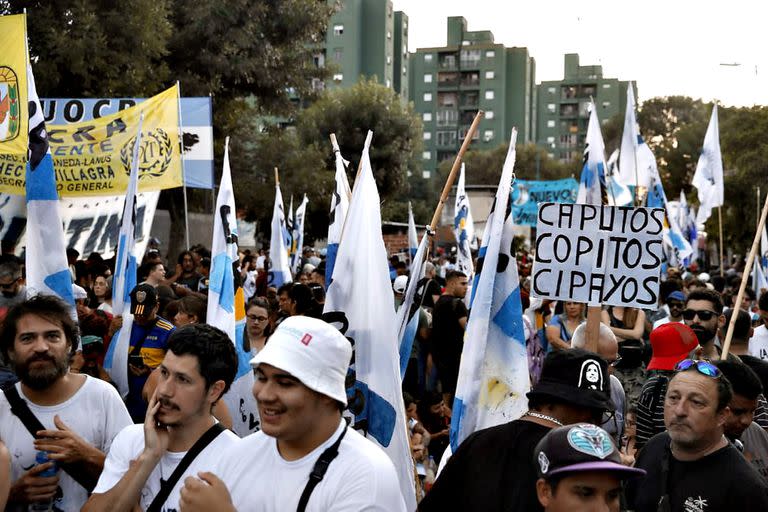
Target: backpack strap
x=318, y=472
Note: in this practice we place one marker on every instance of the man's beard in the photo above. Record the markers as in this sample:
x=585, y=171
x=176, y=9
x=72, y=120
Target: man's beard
x=703, y=334
x=41, y=378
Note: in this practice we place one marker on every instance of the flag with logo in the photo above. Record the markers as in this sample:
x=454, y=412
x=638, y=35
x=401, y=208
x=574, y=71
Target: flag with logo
x=298, y=234
x=125, y=262
x=708, y=178
x=226, y=303
x=339, y=207
x=592, y=183
x=408, y=314
x=14, y=87
x=618, y=193
x=279, y=271
x=630, y=173
x=493, y=374
x=413, y=237
x=463, y=230
x=360, y=298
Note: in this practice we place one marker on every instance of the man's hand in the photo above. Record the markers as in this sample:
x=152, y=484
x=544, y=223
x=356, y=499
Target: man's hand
x=64, y=445
x=156, y=436
x=138, y=371
x=30, y=487
x=205, y=493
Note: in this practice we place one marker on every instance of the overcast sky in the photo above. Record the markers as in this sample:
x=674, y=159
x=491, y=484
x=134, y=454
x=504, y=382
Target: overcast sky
x=670, y=47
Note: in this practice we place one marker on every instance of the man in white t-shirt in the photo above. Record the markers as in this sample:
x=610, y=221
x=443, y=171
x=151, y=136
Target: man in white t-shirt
x=758, y=343
x=80, y=415
x=300, y=390
x=675, y=301
x=197, y=370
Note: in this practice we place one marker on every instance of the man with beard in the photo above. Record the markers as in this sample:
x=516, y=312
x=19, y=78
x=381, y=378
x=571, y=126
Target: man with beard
x=197, y=370
x=12, y=289
x=703, y=313
x=80, y=415
x=675, y=301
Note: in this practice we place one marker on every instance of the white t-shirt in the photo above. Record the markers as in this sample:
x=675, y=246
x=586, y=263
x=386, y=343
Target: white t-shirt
x=758, y=343
x=260, y=262
x=360, y=478
x=129, y=444
x=95, y=412
x=665, y=320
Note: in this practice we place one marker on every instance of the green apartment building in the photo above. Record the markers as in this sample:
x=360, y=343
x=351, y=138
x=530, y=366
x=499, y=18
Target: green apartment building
x=449, y=84
x=563, y=107
x=366, y=38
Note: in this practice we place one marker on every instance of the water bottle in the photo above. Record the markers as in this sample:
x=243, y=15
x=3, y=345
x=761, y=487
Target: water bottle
x=44, y=506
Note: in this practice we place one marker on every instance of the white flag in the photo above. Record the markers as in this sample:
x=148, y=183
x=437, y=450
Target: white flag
x=463, y=229
x=339, y=207
x=279, y=267
x=125, y=261
x=361, y=292
x=298, y=234
x=493, y=375
x=413, y=237
x=226, y=304
x=408, y=314
x=630, y=173
x=708, y=178
x=593, y=172
x=618, y=193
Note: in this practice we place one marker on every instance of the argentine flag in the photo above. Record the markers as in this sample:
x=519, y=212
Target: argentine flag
x=413, y=237
x=279, y=267
x=46, y=252
x=339, y=207
x=592, y=183
x=360, y=298
x=226, y=303
x=408, y=314
x=708, y=178
x=630, y=170
x=493, y=375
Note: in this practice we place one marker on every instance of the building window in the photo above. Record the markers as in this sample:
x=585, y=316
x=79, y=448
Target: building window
x=427, y=135
x=551, y=90
x=470, y=58
x=446, y=117
x=338, y=77
x=488, y=135
x=606, y=86
x=489, y=54
x=389, y=34
x=338, y=30
x=490, y=75
x=606, y=104
x=551, y=155
x=389, y=59
x=446, y=138
x=426, y=174
x=427, y=96
x=427, y=57
x=550, y=140
x=426, y=117
x=489, y=95
x=319, y=60
x=489, y=114
x=405, y=70
x=389, y=83
x=551, y=123
x=426, y=155
x=427, y=78
x=551, y=108
x=338, y=53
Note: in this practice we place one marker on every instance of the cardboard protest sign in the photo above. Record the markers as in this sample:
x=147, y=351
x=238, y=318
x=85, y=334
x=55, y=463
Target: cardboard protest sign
x=598, y=254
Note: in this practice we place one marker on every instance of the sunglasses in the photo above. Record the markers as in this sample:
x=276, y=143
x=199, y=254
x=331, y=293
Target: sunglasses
x=703, y=314
x=703, y=367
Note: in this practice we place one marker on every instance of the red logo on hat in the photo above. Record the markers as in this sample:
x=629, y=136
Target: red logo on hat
x=306, y=338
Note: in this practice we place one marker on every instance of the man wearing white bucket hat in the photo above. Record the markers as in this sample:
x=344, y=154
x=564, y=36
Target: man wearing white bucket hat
x=305, y=457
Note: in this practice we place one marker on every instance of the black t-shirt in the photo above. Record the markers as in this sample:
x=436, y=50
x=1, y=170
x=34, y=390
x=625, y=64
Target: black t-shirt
x=427, y=288
x=492, y=470
x=447, y=333
x=760, y=367
x=722, y=480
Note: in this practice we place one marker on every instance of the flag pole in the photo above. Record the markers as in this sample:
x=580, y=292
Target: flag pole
x=277, y=178
x=455, y=169
x=720, y=222
x=744, y=278
x=183, y=167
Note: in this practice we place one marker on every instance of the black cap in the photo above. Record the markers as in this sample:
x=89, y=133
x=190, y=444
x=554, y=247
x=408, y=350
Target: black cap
x=577, y=377
x=578, y=448
x=143, y=299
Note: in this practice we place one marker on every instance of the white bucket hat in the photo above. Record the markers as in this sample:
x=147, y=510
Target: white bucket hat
x=311, y=350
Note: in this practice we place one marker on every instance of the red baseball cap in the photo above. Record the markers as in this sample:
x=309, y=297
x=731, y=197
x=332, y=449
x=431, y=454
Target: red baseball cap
x=671, y=343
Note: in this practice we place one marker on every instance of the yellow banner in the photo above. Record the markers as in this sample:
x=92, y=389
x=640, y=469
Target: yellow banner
x=93, y=158
x=14, y=119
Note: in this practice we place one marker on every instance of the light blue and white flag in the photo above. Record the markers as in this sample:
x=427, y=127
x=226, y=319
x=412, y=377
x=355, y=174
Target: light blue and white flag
x=408, y=314
x=463, y=229
x=125, y=261
x=298, y=235
x=413, y=237
x=361, y=292
x=279, y=271
x=339, y=207
x=493, y=375
x=289, y=241
x=592, y=183
x=46, y=254
x=630, y=171
x=226, y=308
x=708, y=178
x=618, y=193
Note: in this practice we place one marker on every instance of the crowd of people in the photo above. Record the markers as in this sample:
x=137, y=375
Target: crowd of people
x=653, y=419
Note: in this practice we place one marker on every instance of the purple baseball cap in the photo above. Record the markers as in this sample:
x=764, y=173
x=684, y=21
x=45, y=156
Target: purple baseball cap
x=579, y=448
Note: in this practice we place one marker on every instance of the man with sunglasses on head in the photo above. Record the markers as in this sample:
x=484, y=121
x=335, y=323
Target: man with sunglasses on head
x=704, y=314
x=692, y=466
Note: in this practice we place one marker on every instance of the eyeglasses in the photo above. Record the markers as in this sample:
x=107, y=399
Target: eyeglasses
x=703, y=367
x=254, y=318
x=703, y=314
